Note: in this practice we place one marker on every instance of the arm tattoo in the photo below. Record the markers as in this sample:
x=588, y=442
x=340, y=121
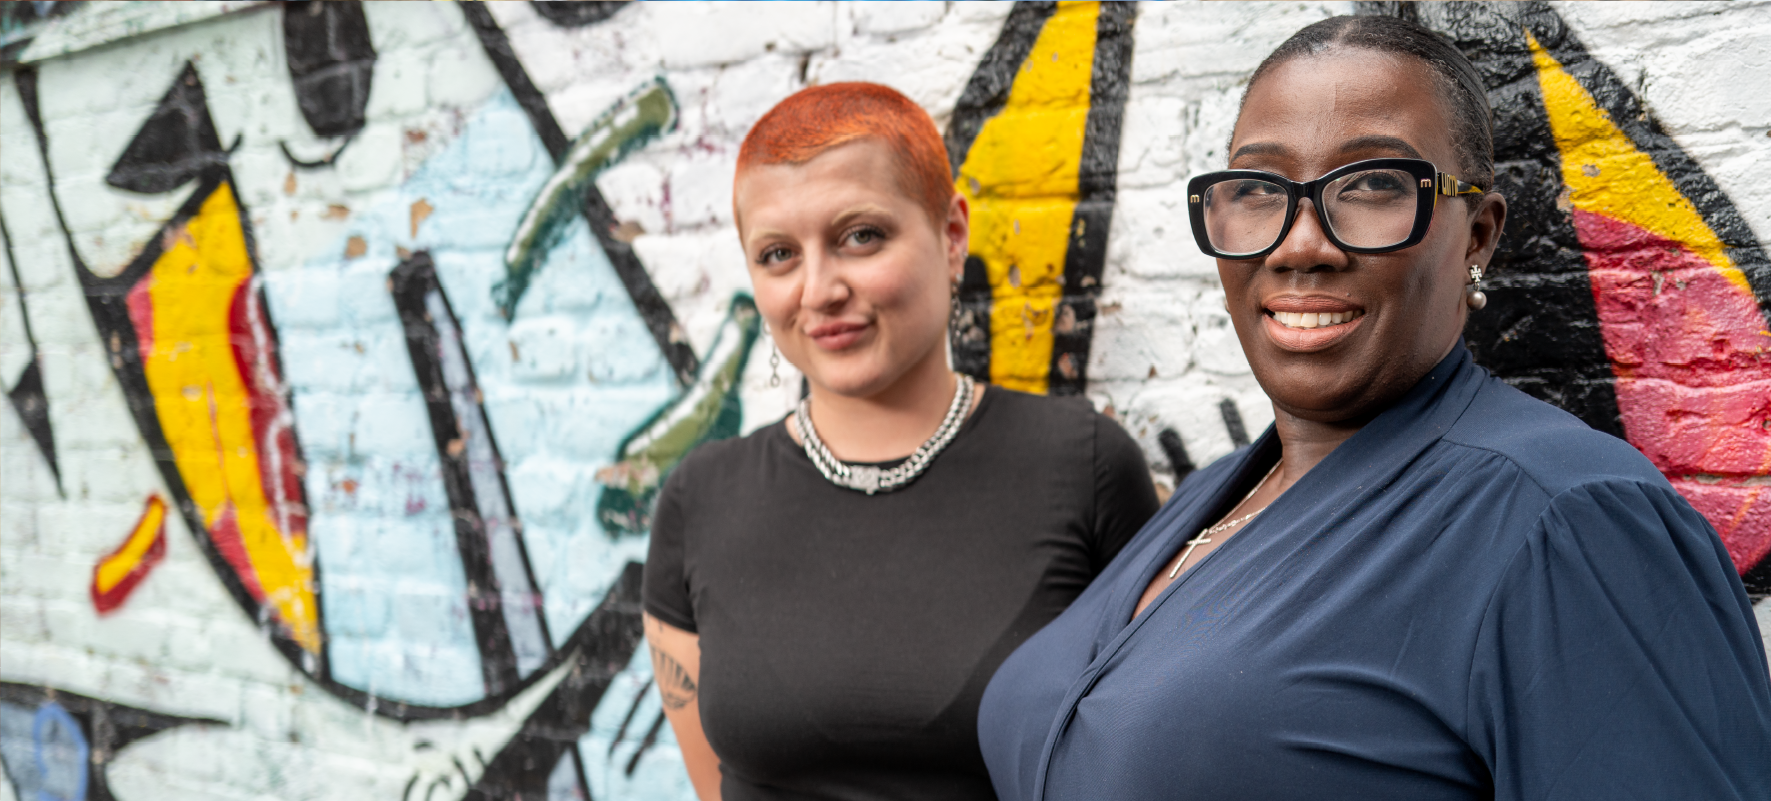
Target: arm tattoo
x=674, y=684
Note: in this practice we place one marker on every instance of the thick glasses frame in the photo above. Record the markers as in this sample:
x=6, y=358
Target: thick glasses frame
x=1429, y=182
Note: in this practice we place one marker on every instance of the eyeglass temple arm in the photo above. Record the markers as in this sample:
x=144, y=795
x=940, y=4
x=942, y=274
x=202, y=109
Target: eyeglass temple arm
x=1452, y=186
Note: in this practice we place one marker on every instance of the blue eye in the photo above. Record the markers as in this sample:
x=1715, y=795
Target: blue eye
x=863, y=237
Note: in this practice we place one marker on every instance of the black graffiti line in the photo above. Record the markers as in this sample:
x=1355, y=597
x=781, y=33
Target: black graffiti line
x=106, y=299
x=646, y=744
x=486, y=528
x=1085, y=255
x=599, y=649
x=1540, y=330
x=319, y=163
x=1649, y=136
x=626, y=720
x=1233, y=422
x=18, y=283
x=984, y=96
x=1176, y=451
x=654, y=310
x=28, y=396
x=109, y=727
x=986, y=93
x=331, y=63
x=1514, y=339
x=577, y=13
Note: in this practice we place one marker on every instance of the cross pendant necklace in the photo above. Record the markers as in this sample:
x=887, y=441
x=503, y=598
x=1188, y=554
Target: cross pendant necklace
x=1203, y=539
x=1191, y=544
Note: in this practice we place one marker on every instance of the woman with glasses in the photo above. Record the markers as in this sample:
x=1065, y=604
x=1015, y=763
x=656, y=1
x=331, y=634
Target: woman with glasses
x=1419, y=583
x=826, y=598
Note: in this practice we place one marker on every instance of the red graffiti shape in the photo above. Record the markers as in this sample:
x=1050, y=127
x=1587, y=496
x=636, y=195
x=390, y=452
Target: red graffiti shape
x=117, y=573
x=1693, y=365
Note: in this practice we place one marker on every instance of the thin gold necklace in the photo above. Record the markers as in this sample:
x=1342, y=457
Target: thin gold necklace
x=1205, y=535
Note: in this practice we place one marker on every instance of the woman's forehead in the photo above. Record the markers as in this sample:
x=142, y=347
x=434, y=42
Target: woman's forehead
x=864, y=166
x=820, y=192
x=1342, y=104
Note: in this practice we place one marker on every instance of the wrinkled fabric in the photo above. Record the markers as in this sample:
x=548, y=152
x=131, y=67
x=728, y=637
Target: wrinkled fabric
x=1477, y=596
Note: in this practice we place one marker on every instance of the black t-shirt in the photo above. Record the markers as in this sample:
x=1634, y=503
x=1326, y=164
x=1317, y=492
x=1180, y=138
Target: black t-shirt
x=845, y=638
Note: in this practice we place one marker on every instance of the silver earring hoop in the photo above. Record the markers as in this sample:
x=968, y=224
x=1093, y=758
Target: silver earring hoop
x=1474, y=297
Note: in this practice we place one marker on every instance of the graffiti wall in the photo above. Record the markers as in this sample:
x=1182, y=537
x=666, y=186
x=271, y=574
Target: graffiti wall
x=347, y=344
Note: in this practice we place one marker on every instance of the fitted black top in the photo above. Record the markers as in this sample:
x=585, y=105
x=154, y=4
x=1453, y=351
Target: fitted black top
x=846, y=639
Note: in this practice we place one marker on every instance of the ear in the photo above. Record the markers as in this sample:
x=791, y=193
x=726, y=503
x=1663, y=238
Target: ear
x=1486, y=224
x=958, y=228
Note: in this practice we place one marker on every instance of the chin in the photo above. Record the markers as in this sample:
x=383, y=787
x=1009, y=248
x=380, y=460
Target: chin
x=1321, y=392
x=850, y=378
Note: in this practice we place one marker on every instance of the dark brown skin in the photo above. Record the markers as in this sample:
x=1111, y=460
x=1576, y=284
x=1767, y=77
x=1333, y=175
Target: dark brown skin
x=1305, y=118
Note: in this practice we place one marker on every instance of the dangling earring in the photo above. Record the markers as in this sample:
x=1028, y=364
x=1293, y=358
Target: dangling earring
x=953, y=331
x=1474, y=297
x=774, y=358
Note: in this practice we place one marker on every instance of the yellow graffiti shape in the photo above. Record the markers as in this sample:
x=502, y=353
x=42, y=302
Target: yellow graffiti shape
x=205, y=408
x=1020, y=178
x=1607, y=175
x=116, y=567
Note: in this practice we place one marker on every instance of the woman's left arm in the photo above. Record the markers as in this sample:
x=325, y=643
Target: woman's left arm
x=1619, y=658
x=1125, y=498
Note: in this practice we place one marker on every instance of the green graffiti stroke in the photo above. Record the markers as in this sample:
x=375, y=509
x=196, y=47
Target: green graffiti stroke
x=707, y=410
x=644, y=114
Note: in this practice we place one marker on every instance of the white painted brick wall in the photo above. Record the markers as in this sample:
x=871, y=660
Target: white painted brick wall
x=1163, y=354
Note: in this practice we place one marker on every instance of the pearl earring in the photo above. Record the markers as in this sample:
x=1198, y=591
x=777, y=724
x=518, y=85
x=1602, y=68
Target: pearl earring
x=1474, y=297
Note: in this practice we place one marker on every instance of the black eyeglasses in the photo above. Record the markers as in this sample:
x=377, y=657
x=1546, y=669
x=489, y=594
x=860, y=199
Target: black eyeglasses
x=1372, y=206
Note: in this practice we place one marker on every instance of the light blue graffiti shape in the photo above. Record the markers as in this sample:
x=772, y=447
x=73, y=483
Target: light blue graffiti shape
x=392, y=588
x=61, y=754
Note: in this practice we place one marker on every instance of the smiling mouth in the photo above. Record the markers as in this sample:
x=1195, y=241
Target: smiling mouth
x=1308, y=320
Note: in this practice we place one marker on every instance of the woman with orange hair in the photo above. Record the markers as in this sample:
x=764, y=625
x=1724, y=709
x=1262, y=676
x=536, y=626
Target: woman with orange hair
x=826, y=598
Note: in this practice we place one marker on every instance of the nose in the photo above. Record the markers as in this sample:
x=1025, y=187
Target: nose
x=825, y=288
x=1306, y=248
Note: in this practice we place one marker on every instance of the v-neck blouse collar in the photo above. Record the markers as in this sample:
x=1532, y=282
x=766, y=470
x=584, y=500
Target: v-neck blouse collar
x=1380, y=450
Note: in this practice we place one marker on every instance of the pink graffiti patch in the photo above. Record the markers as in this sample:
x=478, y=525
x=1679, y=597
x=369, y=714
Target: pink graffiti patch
x=1693, y=364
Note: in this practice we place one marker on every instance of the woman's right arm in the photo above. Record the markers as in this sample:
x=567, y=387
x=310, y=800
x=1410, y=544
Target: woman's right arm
x=676, y=667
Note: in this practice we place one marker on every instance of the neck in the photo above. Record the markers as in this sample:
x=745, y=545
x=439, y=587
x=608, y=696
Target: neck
x=1306, y=443
x=889, y=424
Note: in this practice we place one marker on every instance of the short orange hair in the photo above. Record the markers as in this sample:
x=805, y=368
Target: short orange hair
x=818, y=118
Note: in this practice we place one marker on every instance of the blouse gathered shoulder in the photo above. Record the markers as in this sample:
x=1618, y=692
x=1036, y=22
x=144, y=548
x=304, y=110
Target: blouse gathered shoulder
x=1475, y=597
x=846, y=638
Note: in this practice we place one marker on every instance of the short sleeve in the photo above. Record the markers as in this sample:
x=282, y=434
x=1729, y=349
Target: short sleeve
x=1124, y=497
x=1619, y=658
x=666, y=587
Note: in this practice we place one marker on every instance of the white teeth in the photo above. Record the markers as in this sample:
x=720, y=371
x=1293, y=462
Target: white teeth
x=1314, y=320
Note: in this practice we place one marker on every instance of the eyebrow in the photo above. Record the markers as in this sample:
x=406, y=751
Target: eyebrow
x=1367, y=142
x=1381, y=142
x=859, y=211
x=1260, y=149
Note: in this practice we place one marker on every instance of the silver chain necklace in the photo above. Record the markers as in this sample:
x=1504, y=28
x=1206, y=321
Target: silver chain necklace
x=867, y=478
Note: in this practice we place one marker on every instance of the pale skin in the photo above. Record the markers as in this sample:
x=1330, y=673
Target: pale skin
x=1303, y=119
x=853, y=277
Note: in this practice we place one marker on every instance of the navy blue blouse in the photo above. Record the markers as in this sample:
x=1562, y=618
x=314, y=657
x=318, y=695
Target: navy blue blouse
x=1475, y=597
